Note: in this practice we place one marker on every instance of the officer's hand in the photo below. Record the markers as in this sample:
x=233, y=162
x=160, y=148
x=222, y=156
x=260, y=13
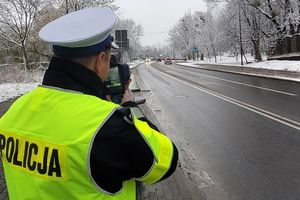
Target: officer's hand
x=108, y=97
x=127, y=95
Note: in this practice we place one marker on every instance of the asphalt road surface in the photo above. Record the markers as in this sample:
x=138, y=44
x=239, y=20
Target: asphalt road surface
x=239, y=134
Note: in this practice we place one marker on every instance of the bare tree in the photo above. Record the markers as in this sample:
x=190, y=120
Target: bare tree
x=38, y=50
x=20, y=21
x=187, y=33
x=134, y=34
x=73, y=5
x=210, y=32
x=194, y=31
x=16, y=21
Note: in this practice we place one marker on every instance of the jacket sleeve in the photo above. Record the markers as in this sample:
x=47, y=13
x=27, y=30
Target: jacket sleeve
x=122, y=151
x=164, y=152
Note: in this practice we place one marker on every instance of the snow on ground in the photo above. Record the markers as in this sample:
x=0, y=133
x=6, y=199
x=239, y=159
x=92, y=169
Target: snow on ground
x=12, y=90
x=135, y=63
x=277, y=65
x=265, y=64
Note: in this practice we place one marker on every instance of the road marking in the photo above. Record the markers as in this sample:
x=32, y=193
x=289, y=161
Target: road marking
x=206, y=83
x=245, y=84
x=265, y=113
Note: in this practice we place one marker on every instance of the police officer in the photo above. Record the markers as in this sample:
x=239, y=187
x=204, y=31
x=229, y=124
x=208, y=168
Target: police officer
x=64, y=139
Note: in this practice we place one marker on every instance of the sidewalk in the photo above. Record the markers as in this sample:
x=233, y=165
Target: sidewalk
x=250, y=71
x=3, y=192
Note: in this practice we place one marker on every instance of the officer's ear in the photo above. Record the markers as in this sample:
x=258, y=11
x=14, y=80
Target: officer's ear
x=103, y=58
x=102, y=65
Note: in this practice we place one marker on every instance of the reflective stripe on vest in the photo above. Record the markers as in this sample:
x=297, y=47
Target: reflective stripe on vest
x=45, y=140
x=162, y=149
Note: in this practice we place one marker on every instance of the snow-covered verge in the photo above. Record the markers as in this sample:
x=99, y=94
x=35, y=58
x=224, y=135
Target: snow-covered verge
x=265, y=64
x=17, y=74
x=135, y=63
x=277, y=65
x=12, y=90
x=15, y=80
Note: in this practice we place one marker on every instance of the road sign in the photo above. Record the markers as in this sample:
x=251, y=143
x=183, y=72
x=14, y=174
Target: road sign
x=121, y=39
x=195, y=50
x=121, y=35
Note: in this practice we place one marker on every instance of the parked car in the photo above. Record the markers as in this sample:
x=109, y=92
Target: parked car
x=168, y=61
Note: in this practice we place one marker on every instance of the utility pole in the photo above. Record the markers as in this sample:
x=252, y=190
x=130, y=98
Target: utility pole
x=67, y=7
x=185, y=29
x=241, y=42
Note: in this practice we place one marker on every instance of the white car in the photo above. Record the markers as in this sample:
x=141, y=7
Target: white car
x=168, y=61
x=147, y=60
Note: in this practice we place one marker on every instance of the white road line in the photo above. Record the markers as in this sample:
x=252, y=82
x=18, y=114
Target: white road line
x=245, y=84
x=207, y=83
x=265, y=113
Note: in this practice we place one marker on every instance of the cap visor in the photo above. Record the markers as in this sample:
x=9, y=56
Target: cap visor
x=114, y=45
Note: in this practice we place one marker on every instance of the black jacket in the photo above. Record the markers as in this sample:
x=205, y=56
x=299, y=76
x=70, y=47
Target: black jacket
x=119, y=152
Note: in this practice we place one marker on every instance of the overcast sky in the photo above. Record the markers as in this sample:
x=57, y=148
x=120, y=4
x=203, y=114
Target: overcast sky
x=157, y=16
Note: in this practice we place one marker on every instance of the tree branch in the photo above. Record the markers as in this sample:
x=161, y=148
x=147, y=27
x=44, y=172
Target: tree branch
x=9, y=39
x=267, y=15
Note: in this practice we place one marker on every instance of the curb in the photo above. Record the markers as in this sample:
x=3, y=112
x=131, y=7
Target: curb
x=136, y=65
x=258, y=72
x=134, y=87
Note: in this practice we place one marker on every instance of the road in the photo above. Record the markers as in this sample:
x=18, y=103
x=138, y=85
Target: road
x=240, y=134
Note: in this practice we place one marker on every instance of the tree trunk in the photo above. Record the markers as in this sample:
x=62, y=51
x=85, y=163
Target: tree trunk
x=208, y=54
x=213, y=47
x=236, y=53
x=24, y=54
x=257, y=54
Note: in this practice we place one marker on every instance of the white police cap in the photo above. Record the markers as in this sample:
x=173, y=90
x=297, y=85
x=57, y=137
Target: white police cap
x=80, y=33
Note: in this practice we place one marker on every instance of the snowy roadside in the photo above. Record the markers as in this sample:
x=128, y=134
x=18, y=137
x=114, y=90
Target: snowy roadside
x=12, y=90
x=269, y=71
x=284, y=65
x=134, y=64
x=293, y=66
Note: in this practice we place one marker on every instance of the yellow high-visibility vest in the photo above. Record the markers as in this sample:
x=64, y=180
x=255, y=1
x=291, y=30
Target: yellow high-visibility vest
x=45, y=144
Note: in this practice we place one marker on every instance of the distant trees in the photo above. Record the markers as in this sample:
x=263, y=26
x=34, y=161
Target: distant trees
x=187, y=33
x=264, y=23
x=267, y=20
